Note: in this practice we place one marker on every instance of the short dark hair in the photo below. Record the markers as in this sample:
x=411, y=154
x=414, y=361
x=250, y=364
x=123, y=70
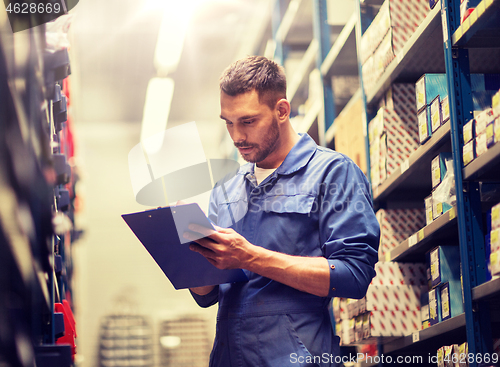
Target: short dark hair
x=255, y=73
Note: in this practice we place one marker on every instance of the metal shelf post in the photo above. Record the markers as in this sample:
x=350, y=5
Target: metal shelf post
x=321, y=31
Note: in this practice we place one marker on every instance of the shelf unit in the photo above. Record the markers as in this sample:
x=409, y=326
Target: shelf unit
x=439, y=45
x=36, y=205
x=442, y=45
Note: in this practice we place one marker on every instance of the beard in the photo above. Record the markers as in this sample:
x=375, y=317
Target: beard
x=269, y=144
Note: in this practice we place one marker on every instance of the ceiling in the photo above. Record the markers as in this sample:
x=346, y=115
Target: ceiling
x=113, y=45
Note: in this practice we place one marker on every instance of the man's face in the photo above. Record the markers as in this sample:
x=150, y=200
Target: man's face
x=253, y=126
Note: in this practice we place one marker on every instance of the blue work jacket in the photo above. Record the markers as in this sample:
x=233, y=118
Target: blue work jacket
x=316, y=203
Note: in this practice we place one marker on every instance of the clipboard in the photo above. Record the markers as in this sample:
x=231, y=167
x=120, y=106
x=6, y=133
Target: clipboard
x=160, y=232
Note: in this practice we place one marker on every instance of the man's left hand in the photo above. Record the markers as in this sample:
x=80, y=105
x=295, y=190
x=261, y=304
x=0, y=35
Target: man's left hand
x=224, y=248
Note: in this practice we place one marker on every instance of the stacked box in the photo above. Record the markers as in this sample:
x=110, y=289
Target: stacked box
x=438, y=207
x=496, y=128
x=393, y=298
x=444, y=265
x=445, y=108
x=391, y=323
x=352, y=308
x=429, y=217
x=424, y=309
x=482, y=120
x=483, y=87
x=359, y=328
x=436, y=115
x=424, y=125
x=392, y=138
x=463, y=349
x=389, y=31
x=490, y=134
x=467, y=7
x=495, y=240
x=469, y=152
x=352, y=331
x=495, y=104
x=481, y=146
x=396, y=225
x=343, y=331
x=495, y=263
x=451, y=300
x=439, y=167
x=434, y=307
x=394, y=273
x=468, y=131
x=428, y=87
x=443, y=194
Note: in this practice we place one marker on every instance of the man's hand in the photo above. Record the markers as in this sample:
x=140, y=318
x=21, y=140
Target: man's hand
x=223, y=248
x=227, y=249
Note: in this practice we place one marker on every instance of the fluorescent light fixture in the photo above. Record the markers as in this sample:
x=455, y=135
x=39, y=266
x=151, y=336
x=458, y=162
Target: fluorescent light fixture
x=173, y=28
x=156, y=108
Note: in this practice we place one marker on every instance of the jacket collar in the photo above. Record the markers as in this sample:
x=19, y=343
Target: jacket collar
x=297, y=158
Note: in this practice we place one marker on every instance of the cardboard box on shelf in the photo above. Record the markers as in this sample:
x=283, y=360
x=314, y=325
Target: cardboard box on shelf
x=393, y=298
x=396, y=225
x=495, y=263
x=349, y=136
x=428, y=210
x=483, y=87
x=439, y=207
x=490, y=134
x=444, y=265
x=401, y=19
x=495, y=216
x=436, y=116
x=392, y=140
x=424, y=125
x=359, y=328
x=468, y=131
x=451, y=300
x=439, y=167
x=481, y=146
x=495, y=104
x=445, y=108
x=428, y=87
x=434, y=307
x=495, y=240
x=469, y=152
x=424, y=308
x=496, y=128
x=392, y=323
x=395, y=273
x=482, y=120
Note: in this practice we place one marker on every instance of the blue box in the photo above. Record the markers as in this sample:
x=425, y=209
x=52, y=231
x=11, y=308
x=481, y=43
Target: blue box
x=444, y=265
x=432, y=3
x=483, y=87
x=424, y=125
x=451, y=300
x=469, y=131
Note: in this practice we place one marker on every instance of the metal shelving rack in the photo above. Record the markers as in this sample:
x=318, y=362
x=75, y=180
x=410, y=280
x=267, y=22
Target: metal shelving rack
x=440, y=45
x=35, y=256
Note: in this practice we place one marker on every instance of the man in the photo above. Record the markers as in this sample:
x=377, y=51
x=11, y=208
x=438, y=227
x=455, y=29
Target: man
x=298, y=219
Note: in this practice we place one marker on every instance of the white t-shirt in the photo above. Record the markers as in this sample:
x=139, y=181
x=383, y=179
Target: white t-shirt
x=262, y=173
